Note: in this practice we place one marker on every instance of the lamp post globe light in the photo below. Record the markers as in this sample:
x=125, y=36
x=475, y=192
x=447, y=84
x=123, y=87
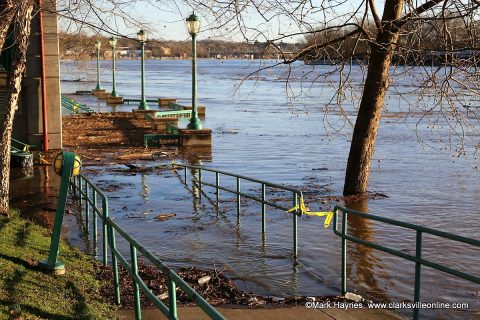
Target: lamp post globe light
x=113, y=44
x=142, y=38
x=98, y=44
x=193, y=27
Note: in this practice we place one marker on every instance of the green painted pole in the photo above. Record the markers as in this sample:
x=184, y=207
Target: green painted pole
x=136, y=290
x=418, y=268
x=114, y=87
x=344, y=254
x=217, y=184
x=87, y=209
x=113, y=248
x=95, y=227
x=105, y=231
x=172, y=297
x=238, y=200
x=200, y=184
x=52, y=264
x=264, y=218
x=295, y=231
x=143, y=103
x=99, y=86
x=195, y=123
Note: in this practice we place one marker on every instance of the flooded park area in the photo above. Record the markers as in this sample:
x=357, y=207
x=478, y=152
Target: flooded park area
x=282, y=127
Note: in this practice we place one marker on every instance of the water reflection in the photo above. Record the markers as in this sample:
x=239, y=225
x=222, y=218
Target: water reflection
x=363, y=263
x=145, y=193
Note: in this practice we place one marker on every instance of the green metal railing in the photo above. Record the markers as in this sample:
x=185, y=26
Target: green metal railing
x=338, y=210
x=417, y=258
x=132, y=100
x=295, y=195
x=95, y=201
x=74, y=106
x=19, y=146
x=89, y=194
x=174, y=113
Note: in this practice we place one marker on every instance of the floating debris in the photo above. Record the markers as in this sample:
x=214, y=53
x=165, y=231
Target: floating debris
x=165, y=216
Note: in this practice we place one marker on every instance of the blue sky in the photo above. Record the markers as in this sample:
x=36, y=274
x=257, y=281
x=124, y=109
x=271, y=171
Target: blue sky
x=166, y=19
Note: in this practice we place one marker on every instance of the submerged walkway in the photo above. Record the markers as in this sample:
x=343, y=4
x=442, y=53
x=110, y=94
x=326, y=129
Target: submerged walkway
x=283, y=313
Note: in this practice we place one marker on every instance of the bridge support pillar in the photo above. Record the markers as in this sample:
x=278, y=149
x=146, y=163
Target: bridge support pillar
x=28, y=126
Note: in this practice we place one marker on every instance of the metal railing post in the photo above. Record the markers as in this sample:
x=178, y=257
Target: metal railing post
x=217, y=183
x=95, y=235
x=344, y=254
x=200, y=184
x=172, y=297
x=80, y=192
x=295, y=231
x=136, y=290
x=113, y=247
x=418, y=267
x=73, y=185
x=264, y=222
x=104, y=225
x=238, y=200
x=87, y=208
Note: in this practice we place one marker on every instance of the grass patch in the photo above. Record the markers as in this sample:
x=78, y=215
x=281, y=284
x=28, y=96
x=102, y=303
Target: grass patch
x=28, y=293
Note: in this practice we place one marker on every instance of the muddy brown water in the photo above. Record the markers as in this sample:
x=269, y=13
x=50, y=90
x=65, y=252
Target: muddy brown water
x=262, y=134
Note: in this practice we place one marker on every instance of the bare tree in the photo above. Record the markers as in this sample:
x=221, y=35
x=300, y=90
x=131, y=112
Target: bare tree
x=438, y=37
x=16, y=16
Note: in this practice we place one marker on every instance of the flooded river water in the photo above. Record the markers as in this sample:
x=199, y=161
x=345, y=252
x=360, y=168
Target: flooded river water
x=259, y=132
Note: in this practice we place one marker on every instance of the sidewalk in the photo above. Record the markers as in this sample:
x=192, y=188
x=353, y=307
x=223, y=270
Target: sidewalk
x=281, y=313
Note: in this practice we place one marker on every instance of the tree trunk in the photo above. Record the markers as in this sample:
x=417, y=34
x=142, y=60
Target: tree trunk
x=375, y=88
x=21, y=21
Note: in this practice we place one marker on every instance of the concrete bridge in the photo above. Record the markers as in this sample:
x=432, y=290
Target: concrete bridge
x=30, y=119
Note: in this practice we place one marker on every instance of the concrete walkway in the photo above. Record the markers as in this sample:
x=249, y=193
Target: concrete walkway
x=281, y=313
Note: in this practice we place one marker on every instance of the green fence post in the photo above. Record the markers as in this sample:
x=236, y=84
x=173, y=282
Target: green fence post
x=238, y=200
x=264, y=218
x=66, y=170
x=74, y=185
x=344, y=254
x=136, y=291
x=217, y=183
x=105, y=231
x=113, y=248
x=80, y=194
x=295, y=231
x=95, y=240
x=200, y=184
x=172, y=297
x=87, y=209
x=418, y=267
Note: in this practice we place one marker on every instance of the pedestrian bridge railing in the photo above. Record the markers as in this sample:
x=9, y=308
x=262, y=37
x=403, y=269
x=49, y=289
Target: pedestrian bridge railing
x=89, y=194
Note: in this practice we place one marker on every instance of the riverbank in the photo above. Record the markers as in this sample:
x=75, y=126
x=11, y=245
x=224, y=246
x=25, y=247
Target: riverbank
x=28, y=293
x=88, y=285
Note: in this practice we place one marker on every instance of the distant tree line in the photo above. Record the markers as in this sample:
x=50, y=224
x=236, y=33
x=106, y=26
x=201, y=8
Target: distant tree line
x=80, y=45
x=423, y=44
